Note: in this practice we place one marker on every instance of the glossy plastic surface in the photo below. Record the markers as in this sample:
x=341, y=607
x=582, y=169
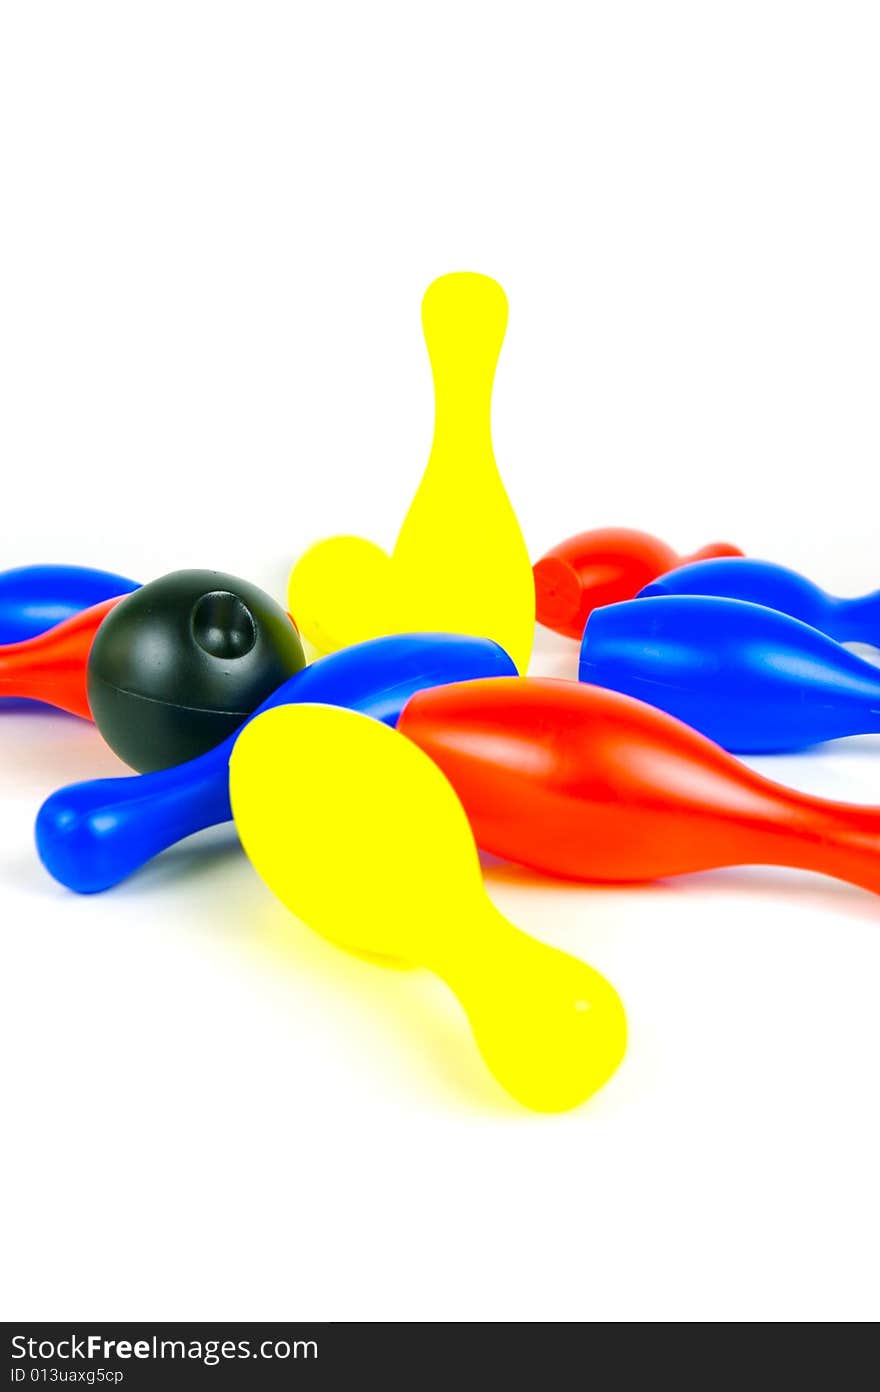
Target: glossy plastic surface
x=36, y=598
x=180, y=664
x=603, y=567
x=362, y=837
x=762, y=582
x=589, y=784
x=92, y=835
x=460, y=564
x=753, y=679
x=52, y=666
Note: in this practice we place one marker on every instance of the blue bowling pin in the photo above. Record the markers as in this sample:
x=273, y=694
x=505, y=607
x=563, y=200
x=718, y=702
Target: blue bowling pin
x=763, y=582
x=752, y=679
x=92, y=835
x=36, y=598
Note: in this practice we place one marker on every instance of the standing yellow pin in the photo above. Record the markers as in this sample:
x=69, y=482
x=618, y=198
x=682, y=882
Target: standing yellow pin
x=460, y=563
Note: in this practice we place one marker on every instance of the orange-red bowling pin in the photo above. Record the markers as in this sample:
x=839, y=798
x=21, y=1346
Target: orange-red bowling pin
x=52, y=666
x=589, y=784
x=604, y=567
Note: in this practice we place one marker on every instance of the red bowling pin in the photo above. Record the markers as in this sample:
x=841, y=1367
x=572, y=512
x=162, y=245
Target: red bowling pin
x=604, y=567
x=52, y=666
x=589, y=784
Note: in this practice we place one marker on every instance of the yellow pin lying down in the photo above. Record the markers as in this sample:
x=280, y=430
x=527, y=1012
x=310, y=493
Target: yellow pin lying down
x=460, y=563
x=364, y=839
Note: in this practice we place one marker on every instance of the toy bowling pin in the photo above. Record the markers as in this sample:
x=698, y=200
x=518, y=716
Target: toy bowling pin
x=36, y=598
x=460, y=563
x=762, y=582
x=92, y=835
x=749, y=677
x=603, y=567
x=52, y=666
x=589, y=784
x=361, y=836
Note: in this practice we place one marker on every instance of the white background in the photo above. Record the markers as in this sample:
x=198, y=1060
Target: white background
x=217, y=224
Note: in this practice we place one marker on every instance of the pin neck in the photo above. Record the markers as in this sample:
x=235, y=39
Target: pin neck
x=450, y=954
x=470, y=439
x=858, y=620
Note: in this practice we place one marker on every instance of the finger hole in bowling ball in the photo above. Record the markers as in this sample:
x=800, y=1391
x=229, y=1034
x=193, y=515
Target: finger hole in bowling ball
x=223, y=626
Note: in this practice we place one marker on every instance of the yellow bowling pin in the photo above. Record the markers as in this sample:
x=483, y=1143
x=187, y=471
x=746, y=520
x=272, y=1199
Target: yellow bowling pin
x=460, y=563
x=358, y=832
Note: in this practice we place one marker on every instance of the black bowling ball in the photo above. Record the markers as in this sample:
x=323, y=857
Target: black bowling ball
x=180, y=664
